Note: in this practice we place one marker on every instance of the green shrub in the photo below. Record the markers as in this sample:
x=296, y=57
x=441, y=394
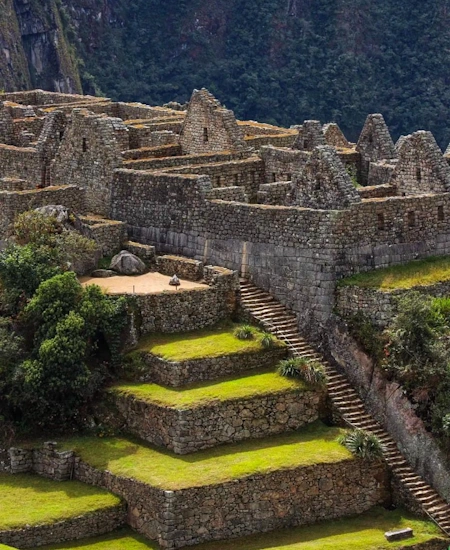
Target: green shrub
x=310, y=371
x=362, y=444
x=244, y=332
x=267, y=340
x=367, y=335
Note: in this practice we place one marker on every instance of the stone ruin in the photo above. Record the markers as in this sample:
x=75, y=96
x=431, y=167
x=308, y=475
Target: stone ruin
x=295, y=209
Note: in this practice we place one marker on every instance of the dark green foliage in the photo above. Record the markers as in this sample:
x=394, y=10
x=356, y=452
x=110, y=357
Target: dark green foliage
x=362, y=444
x=367, y=335
x=267, y=340
x=279, y=61
x=311, y=372
x=244, y=332
x=67, y=364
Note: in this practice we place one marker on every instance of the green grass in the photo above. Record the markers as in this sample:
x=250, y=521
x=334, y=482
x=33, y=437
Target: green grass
x=250, y=385
x=126, y=457
x=417, y=273
x=124, y=539
x=33, y=500
x=210, y=342
x=364, y=532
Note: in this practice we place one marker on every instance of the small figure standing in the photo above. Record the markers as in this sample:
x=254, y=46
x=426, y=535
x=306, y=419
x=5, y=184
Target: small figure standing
x=175, y=281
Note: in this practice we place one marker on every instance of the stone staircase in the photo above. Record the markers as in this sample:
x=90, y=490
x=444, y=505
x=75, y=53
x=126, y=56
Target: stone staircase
x=279, y=320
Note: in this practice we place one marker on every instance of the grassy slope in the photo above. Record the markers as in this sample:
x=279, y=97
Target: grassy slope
x=262, y=383
x=211, y=342
x=312, y=445
x=124, y=539
x=364, y=532
x=32, y=500
x=421, y=272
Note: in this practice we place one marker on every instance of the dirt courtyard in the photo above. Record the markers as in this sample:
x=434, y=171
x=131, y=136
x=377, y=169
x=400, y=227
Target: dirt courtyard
x=139, y=284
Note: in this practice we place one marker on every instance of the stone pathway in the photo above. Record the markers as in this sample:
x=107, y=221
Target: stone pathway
x=279, y=320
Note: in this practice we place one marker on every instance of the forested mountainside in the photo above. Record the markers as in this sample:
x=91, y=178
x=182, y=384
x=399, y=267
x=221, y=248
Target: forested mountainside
x=273, y=60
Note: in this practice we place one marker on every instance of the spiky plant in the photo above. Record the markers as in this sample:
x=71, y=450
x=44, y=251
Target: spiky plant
x=267, y=340
x=362, y=444
x=244, y=332
x=310, y=371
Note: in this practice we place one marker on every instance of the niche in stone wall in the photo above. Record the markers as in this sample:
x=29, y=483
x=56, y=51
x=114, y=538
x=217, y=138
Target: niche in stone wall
x=205, y=135
x=440, y=213
x=411, y=219
x=380, y=222
x=85, y=146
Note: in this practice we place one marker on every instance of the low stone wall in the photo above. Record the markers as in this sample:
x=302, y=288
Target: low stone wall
x=274, y=193
x=92, y=524
x=234, y=193
x=187, y=310
x=380, y=307
x=377, y=191
x=388, y=404
x=13, y=203
x=188, y=430
x=143, y=251
x=21, y=162
x=108, y=234
x=46, y=462
x=177, y=374
x=184, y=268
x=253, y=504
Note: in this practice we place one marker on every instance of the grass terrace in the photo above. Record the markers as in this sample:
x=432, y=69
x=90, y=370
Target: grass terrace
x=198, y=344
x=32, y=500
x=250, y=385
x=314, y=444
x=124, y=539
x=363, y=532
x=417, y=273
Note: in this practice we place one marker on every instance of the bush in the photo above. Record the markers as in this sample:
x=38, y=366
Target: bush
x=310, y=371
x=244, y=332
x=267, y=340
x=363, y=444
x=367, y=335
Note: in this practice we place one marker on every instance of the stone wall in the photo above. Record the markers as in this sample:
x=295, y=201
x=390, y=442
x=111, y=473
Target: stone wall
x=87, y=157
x=92, y=524
x=274, y=193
x=178, y=374
x=209, y=127
x=374, y=144
x=233, y=193
x=187, y=430
x=380, y=173
x=324, y=183
x=156, y=134
x=282, y=164
x=253, y=504
x=21, y=162
x=277, y=140
x=148, y=162
x=387, y=402
x=13, y=203
x=377, y=191
x=110, y=235
x=184, y=268
x=186, y=310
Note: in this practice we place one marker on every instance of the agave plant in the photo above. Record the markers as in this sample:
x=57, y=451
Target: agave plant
x=244, y=332
x=310, y=371
x=362, y=444
x=267, y=340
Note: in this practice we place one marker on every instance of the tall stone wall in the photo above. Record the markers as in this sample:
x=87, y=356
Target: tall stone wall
x=209, y=127
x=374, y=144
x=88, y=155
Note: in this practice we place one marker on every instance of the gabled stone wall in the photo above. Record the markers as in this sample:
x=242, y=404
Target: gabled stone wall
x=209, y=127
x=374, y=144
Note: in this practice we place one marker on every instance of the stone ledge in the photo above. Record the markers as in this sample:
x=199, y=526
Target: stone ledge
x=187, y=430
x=89, y=525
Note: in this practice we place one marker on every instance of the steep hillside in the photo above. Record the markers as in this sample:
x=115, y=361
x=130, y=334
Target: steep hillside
x=274, y=60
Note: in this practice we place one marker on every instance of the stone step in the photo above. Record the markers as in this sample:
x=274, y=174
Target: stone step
x=351, y=407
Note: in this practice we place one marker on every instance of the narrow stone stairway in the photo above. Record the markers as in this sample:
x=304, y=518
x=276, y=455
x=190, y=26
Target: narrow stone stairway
x=279, y=320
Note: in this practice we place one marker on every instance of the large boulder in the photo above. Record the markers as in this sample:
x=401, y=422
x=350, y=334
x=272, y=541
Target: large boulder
x=126, y=263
